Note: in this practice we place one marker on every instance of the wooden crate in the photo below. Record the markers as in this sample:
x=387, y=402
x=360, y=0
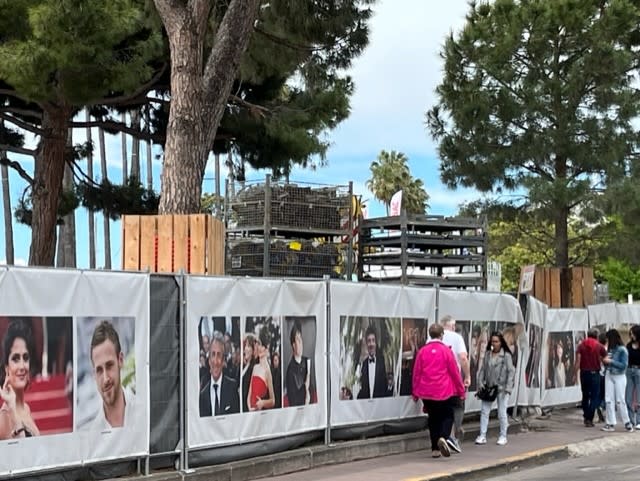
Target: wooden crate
x=170, y=243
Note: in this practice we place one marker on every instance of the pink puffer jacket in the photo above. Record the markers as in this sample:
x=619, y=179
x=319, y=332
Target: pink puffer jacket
x=436, y=374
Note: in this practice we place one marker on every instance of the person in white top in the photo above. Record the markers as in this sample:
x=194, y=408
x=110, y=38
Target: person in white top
x=107, y=360
x=455, y=341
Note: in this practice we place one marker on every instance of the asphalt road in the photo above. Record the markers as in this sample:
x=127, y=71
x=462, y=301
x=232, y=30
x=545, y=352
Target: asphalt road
x=622, y=465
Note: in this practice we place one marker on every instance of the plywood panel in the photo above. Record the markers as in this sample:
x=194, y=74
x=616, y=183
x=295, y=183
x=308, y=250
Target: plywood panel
x=587, y=285
x=547, y=286
x=539, y=284
x=165, y=243
x=180, y=243
x=555, y=290
x=131, y=242
x=575, y=274
x=148, y=235
x=197, y=233
x=215, y=249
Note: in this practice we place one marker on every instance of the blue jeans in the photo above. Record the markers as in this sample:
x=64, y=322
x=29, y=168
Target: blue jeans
x=590, y=385
x=633, y=385
x=485, y=410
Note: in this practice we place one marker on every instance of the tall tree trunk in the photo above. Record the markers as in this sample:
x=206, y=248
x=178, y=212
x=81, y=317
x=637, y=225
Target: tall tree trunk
x=199, y=92
x=92, y=226
x=105, y=176
x=66, y=256
x=149, y=154
x=125, y=168
x=47, y=184
x=135, y=145
x=8, y=222
x=69, y=239
x=217, y=186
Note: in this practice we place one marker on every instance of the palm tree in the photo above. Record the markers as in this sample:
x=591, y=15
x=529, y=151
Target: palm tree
x=389, y=174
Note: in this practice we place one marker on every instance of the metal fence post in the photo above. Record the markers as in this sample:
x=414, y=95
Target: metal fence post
x=184, y=452
x=327, y=432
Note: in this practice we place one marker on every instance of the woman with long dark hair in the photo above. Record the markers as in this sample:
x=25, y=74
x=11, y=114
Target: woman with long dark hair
x=497, y=370
x=615, y=382
x=261, y=392
x=633, y=376
x=15, y=415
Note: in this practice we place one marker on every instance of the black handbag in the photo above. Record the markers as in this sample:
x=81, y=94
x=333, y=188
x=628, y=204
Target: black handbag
x=487, y=393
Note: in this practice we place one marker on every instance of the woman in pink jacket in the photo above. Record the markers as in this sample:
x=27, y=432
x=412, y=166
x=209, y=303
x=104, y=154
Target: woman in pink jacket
x=437, y=381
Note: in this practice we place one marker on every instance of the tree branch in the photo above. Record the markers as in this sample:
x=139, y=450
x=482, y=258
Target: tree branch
x=120, y=127
x=20, y=123
x=200, y=11
x=10, y=93
x=169, y=9
x=4, y=160
x=25, y=112
x=18, y=150
x=139, y=95
x=259, y=109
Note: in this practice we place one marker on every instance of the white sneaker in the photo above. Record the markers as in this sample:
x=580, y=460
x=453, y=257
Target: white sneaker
x=637, y=426
x=481, y=440
x=502, y=440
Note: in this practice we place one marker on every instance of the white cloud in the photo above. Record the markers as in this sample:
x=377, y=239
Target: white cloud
x=397, y=75
x=17, y=262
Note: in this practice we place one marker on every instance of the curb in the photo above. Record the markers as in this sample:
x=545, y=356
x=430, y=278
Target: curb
x=537, y=458
x=527, y=460
x=306, y=458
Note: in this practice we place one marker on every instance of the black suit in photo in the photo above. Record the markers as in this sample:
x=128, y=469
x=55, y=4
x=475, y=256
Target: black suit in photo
x=380, y=379
x=229, y=399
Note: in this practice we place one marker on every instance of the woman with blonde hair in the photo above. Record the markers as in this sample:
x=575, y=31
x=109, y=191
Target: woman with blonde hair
x=15, y=415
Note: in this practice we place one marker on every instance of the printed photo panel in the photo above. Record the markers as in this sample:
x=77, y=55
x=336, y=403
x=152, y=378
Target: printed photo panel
x=369, y=357
x=219, y=365
x=298, y=354
x=37, y=367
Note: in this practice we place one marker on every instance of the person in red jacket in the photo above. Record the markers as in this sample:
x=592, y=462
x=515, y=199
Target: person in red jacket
x=589, y=357
x=437, y=381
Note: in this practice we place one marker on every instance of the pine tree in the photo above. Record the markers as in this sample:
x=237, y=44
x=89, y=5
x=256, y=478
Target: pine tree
x=538, y=97
x=50, y=75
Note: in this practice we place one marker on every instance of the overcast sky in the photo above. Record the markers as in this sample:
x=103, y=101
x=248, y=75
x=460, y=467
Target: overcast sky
x=395, y=80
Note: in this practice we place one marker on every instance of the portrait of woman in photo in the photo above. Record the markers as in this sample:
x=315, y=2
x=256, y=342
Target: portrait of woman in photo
x=261, y=392
x=16, y=420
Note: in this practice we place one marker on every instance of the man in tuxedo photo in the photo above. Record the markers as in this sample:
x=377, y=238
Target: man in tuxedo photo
x=373, y=374
x=219, y=396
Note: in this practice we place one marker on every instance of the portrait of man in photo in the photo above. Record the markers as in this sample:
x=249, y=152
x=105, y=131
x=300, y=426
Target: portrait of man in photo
x=373, y=370
x=219, y=396
x=107, y=361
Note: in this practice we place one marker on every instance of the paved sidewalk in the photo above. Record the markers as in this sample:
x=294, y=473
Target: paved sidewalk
x=560, y=436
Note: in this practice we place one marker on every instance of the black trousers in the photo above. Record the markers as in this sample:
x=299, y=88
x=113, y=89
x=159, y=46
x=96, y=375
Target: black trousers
x=440, y=419
x=590, y=386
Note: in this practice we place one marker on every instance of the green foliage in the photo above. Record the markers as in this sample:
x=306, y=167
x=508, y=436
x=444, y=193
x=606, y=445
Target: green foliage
x=116, y=200
x=293, y=83
x=129, y=372
x=623, y=279
x=208, y=203
x=389, y=174
x=538, y=97
x=519, y=237
x=68, y=203
x=77, y=51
